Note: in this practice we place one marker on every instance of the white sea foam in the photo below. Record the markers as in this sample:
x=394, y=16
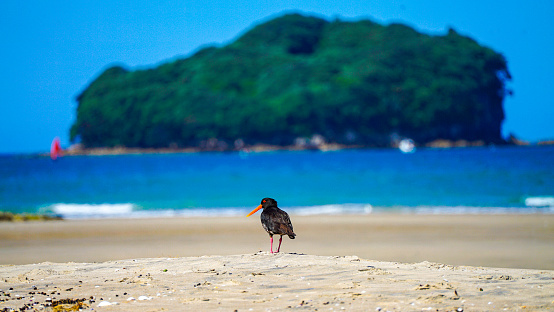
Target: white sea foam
x=128, y=210
x=474, y=210
x=91, y=210
x=333, y=209
x=191, y=212
x=546, y=201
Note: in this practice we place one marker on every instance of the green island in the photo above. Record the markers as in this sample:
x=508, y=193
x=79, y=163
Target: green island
x=298, y=80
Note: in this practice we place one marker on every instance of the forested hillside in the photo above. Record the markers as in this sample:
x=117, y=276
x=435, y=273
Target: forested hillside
x=296, y=76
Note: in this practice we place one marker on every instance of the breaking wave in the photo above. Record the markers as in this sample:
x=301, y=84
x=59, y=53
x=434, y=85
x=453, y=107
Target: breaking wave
x=546, y=201
x=72, y=211
x=130, y=210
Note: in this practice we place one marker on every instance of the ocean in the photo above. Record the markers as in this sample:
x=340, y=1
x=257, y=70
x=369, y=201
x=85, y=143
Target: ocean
x=477, y=180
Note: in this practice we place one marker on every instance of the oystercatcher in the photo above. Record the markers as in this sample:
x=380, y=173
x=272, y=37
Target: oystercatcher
x=274, y=220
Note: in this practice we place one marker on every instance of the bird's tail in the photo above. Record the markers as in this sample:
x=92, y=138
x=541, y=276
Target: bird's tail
x=292, y=236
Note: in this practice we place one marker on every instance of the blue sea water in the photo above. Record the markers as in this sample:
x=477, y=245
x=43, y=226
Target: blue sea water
x=458, y=180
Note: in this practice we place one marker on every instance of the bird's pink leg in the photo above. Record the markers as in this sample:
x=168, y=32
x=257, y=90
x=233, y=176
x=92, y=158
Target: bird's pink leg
x=271, y=244
x=280, y=239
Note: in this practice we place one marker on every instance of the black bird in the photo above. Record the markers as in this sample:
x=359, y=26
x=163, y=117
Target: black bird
x=274, y=220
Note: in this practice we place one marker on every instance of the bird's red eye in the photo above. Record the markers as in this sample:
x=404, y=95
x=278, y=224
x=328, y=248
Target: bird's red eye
x=263, y=201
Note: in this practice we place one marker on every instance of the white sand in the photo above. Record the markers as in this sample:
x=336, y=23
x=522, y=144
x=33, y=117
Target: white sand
x=266, y=282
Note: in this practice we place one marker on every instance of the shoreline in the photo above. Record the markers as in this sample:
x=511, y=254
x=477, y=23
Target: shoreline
x=77, y=150
x=259, y=148
x=512, y=240
x=539, y=205
x=8, y=217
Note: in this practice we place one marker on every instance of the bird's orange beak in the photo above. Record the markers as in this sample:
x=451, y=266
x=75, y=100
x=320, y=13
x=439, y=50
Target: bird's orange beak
x=254, y=211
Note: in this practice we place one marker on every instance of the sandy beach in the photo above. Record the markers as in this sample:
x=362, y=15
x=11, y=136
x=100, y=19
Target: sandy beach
x=511, y=241
x=273, y=282
x=395, y=262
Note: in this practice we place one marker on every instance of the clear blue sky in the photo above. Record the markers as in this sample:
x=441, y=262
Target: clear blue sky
x=51, y=50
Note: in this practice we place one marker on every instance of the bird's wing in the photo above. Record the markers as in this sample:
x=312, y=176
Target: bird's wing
x=285, y=225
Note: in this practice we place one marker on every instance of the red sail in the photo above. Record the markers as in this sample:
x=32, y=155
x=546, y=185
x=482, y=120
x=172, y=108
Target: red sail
x=55, y=149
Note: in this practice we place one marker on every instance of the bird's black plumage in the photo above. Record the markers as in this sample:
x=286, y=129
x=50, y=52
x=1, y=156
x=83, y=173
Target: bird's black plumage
x=274, y=220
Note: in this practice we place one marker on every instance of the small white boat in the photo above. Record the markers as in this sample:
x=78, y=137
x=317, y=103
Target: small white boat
x=407, y=146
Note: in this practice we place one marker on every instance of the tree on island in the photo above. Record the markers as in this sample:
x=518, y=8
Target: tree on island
x=296, y=76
